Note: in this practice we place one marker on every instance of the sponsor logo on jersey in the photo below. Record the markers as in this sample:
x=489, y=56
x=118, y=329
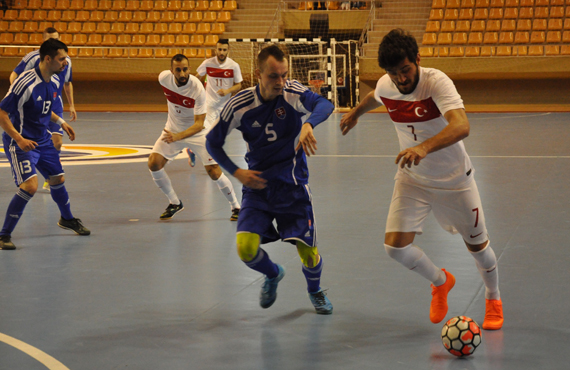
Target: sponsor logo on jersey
x=256, y=125
x=219, y=72
x=281, y=113
x=411, y=111
x=39, y=98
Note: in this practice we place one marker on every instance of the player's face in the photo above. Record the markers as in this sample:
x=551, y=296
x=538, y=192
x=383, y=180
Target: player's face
x=181, y=72
x=405, y=75
x=272, y=78
x=222, y=51
x=58, y=63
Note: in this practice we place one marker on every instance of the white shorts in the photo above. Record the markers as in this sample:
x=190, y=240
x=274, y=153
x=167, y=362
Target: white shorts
x=457, y=211
x=212, y=114
x=196, y=143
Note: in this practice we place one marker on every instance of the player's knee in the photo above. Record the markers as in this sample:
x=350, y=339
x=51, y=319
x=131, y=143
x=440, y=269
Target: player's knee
x=213, y=171
x=56, y=180
x=309, y=255
x=154, y=163
x=247, y=246
x=30, y=187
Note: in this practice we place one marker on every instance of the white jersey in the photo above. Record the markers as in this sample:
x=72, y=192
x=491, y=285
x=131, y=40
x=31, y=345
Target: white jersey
x=220, y=76
x=183, y=101
x=419, y=116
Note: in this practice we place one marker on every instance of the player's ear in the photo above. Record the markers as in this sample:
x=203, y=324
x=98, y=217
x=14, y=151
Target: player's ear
x=418, y=59
x=258, y=73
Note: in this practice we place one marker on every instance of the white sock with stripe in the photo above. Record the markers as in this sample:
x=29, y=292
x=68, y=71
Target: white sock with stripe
x=162, y=180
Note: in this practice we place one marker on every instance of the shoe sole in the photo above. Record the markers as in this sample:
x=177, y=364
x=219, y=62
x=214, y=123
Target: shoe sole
x=171, y=217
x=68, y=228
x=10, y=248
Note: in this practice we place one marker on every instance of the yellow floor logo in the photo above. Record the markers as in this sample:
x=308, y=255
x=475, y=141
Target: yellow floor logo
x=81, y=154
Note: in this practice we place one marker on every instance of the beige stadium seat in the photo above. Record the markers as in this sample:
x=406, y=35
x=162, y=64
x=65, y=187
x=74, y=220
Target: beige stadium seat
x=463, y=26
x=550, y=50
x=109, y=40
x=94, y=39
x=456, y=51
x=506, y=38
x=433, y=26
x=504, y=51
x=62, y=4
x=426, y=52
x=447, y=26
x=536, y=51
x=487, y=51
x=30, y=27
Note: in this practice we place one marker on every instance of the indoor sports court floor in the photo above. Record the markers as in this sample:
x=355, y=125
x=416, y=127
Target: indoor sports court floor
x=143, y=294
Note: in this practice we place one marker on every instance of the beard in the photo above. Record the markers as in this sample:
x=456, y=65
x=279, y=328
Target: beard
x=410, y=86
x=181, y=81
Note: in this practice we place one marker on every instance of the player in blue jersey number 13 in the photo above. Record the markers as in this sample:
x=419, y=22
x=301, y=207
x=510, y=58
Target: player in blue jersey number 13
x=271, y=118
x=25, y=113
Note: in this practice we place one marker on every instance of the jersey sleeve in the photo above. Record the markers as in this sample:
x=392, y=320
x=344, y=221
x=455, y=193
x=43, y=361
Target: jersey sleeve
x=237, y=74
x=200, y=100
x=69, y=74
x=216, y=138
x=201, y=70
x=319, y=107
x=15, y=94
x=378, y=90
x=444, y=94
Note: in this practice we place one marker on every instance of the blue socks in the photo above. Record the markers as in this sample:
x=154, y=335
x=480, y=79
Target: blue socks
x=61, y=198
x=313, y=276
x=263, y=264
x=15, y=210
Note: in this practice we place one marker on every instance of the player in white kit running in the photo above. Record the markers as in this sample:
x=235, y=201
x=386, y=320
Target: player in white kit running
x=434, y=170
x=223, y=80
x=185, y=128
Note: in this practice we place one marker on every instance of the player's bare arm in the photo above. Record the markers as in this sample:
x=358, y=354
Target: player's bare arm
x=307, y=140
x=456, y=130
x=68, y=87
x=198, y=126
x=13, y=77
x=24, y=144
x=349, y=120
x=250, y=178
x=64, y=125
x=234, y=89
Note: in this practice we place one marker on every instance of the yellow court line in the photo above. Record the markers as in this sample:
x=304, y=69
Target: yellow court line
x=39, y=355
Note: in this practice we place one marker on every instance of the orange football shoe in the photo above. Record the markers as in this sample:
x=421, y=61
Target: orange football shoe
x=438, y=308
x=493, y=314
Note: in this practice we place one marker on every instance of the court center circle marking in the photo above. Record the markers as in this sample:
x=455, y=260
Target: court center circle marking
x=37, y=354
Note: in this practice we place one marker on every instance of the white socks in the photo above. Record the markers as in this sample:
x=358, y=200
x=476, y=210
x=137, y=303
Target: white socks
x=415, y=259
x=225, y=186
x=487, y=264
x=162, y=180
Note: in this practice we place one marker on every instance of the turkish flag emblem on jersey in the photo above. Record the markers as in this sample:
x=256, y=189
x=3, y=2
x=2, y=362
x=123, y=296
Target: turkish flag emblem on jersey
x=178, y=99
x=219, y=72
x=411, y=111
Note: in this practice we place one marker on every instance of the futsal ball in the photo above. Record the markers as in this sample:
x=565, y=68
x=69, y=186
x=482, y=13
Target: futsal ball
x=461, y=336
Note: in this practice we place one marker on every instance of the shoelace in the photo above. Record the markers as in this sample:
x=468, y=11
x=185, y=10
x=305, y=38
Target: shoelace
x=320, y=298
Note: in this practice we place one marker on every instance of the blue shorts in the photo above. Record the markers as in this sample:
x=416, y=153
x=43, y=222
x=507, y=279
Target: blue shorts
x=54, y=128
x=44, y=158
x=291, y=206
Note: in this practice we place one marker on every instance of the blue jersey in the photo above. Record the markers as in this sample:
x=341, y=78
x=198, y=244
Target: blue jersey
x=29, y=103
x=32, y=60
x=271, y=130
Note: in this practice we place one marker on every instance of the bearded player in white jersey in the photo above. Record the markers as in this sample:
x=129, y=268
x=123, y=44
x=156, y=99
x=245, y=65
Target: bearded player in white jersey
x=223, y=80
x=434, y=171
x=185, y=128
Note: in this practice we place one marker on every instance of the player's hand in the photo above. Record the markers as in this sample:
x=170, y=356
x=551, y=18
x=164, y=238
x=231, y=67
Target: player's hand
x=307, y=140
x=72, y=114
x=69, y=130
x=26, y=145
x=250, y=178
x=170, y=137
x=411, y=156
x=347, y=122
x=222, y=92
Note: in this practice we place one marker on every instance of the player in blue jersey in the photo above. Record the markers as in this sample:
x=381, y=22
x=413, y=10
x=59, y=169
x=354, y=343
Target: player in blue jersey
x=25, y=113
x=272, y=117
x=31, y=60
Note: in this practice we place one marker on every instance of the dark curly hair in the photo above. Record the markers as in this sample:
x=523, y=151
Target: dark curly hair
x=396, y=46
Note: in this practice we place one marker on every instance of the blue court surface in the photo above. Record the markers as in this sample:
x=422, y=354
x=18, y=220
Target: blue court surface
x=143, y=294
